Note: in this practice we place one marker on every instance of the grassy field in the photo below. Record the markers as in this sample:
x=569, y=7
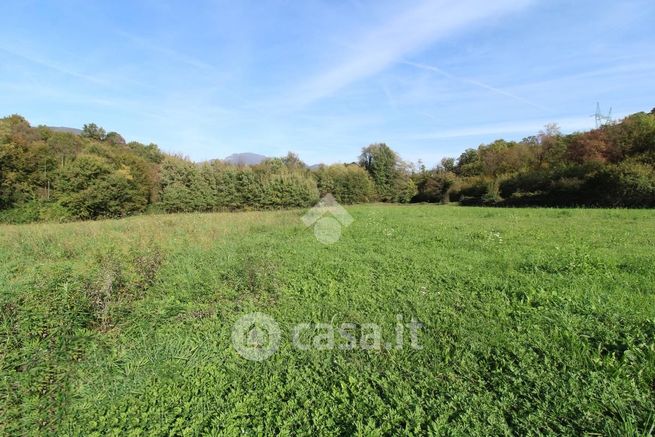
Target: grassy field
x=534, y=320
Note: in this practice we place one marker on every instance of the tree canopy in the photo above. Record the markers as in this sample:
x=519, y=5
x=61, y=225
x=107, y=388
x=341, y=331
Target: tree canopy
x=52, y=175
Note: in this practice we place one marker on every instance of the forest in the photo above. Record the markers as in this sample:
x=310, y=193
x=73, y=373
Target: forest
x=50, y=175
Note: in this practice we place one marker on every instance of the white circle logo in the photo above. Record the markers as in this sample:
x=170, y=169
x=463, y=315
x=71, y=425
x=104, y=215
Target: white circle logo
x=256, y=336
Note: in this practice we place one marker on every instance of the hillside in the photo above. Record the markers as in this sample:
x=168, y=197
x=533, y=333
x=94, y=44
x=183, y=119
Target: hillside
x=70, y=130
x=245, y=159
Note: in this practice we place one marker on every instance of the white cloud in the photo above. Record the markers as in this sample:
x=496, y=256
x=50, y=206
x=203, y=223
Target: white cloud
x=169, y=53
x=55, y=66
x=409, y=32
x=477, y=84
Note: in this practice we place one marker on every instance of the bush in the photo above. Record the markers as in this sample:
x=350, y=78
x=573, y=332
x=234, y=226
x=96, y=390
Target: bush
x=347, y=183
x=24, y=213
x=526, y=182
x=187, y=187
x=628, y=184
x=435, y=186
x=90, y=188
x=288, y=190
x=475, y=187
x=176, y=197
x=406, y=191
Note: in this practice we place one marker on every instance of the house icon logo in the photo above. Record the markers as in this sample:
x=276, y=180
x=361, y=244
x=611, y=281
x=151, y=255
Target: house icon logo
x=256, y=336
x=327, y=217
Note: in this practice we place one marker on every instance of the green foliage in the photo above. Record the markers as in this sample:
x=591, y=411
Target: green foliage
x=41, y=177
x=635, y=137
x=629, y=184
x=608, y=166
x=55, y=176
x=150, y=153
x=64, y=146
x=176, y=197
x=186, y=186
x=388, y=173
x=293, y=162
x=93, y=132
x=435, y=186
x=347, y=183
x=226, y=179
x=25, y=213
x=536, y=321
x=406, y=190
x=468, y=163
x=24, y=162
x=448, y=164
x=35, y=211
x=90, y=187
x=284, y=190
x=474, y=187
x=115, y=139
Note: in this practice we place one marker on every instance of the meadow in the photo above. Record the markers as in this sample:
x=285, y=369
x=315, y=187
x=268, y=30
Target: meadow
x=534, y=321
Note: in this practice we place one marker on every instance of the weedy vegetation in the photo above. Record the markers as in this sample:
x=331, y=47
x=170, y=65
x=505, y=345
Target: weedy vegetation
x=535, y=321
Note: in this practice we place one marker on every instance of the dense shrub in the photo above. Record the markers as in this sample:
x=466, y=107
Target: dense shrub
x=186, y=186
x=435, y=186
x=176, y=197
x=474, y=187
x=390, y=175
x=629, y=184
x=70, y=176
x=90, y=187
x=49, y=175
x=608, y=166
x=526, y=182
x=25, y=213
x=291, y=189
x=347, y=183
x=405, y=188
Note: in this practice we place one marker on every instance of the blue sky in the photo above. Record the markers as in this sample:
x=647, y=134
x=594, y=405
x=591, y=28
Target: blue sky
x=325, y=78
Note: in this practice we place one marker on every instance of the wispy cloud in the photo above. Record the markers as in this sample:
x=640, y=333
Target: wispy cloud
x=413, y=30
x=476, y=83
x=52, y=65
x=177, y=56
x=626, y=67
x=429, y=77
x=569, y=124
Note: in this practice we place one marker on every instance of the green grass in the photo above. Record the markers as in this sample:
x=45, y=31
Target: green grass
x=535, y=321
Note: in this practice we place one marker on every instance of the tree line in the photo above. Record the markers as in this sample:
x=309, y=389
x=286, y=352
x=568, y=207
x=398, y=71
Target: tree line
x=611, y=166
x=48, y=175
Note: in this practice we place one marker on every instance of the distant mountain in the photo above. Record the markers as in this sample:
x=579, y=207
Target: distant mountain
x=71, y=130
x=245, y=159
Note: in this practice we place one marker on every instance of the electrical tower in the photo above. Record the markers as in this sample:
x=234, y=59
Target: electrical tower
x=602, y=119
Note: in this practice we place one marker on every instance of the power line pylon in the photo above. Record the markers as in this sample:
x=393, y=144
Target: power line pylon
x=602, y=119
